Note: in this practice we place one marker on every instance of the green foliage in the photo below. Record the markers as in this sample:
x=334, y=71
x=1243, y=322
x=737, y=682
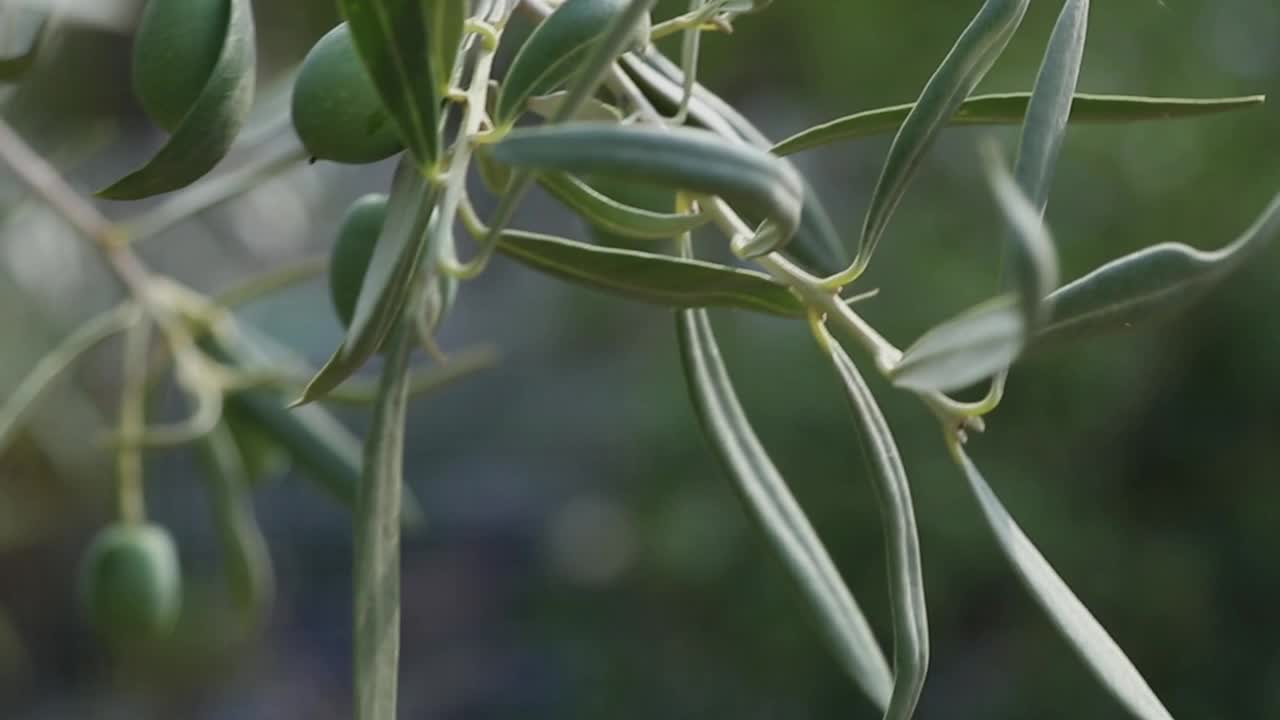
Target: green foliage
x=631, y=143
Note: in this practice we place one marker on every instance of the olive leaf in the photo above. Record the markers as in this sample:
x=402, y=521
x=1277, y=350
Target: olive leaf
x=209, y=127
x=977, y=49
x=1072, y=618
x=906, y=579
x=245, y=557
x=376, y=571
x=684, y=159
x=387, y=283
x=446, y=23
x=1011, y=109
x=617, y=217
x=649, y=277
x=394, y=40
x=1150, y=284
x=974, y=345
x=771, y=503
x=1034, y=260
x=555, y=52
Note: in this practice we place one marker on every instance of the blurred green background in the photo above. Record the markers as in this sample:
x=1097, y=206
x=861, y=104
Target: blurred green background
x=586, y=555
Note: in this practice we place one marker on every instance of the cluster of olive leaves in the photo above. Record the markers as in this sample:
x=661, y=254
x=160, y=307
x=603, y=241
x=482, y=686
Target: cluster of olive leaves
x=593, y=113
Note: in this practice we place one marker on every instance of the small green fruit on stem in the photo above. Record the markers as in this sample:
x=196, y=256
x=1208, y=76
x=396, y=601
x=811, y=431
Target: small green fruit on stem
x=176, y=48
x=335, y=107
x=130, y=583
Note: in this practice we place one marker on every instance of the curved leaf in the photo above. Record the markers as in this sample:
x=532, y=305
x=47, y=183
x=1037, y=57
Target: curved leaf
x=388, y=281
x=553, y=53
x=780, y=517
x=652, y=278
x=690, y=160
x=975, y=345
x=1150, y=284
x=613, y=216
x=1089, y=639
x=906, y=580
x=974, y=53
x=393, y=38
x=1011, y=109
x=209, y=128
x=446, y=23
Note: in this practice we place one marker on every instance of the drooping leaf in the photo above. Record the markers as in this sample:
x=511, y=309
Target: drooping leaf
x=1086, y=636
x=780, y=517
x=976, y=344
x=1035, y=262
x=210, y=126
x=376, y=570
x=691, y=160
x=393, y=38
x=554, y=52
x=974, y=53
x=613, y=216
x=649, y=277
x=1011, y=109
x=246, y=560
x=906, y=581
x=388, y=281
x=1150, y=284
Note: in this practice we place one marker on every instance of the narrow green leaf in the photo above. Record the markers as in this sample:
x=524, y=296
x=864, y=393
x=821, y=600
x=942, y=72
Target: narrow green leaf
x=377, y=542
x=245, y=557
x=649, y=277
x=555, y=52
x=976, y=344
x=968, y=62
x=388, y=281
x=1011, y=109
x=446, y=24
x=1072, y=618
x=1034, y=259
x=906, y=580
x=264, y=459
x=690, y=160
x=1150, y=284
x=1050, y=105
x=319, y=445
x=209, y=128
x=393, y=38
x=780, y=517
x=616, y=217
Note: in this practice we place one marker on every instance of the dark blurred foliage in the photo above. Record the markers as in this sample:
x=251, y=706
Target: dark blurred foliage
x=586, y=556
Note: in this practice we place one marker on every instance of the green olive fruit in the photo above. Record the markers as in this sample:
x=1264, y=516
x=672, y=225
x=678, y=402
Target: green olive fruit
x=176, y=49
x=336, y=110
x=130, y=583
x=357, y=236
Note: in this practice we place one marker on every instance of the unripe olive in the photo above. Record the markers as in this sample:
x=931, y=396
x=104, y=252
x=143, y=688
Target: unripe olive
x=336, y=110
x=174, y=54
x=357, y=237
x=130, y=583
